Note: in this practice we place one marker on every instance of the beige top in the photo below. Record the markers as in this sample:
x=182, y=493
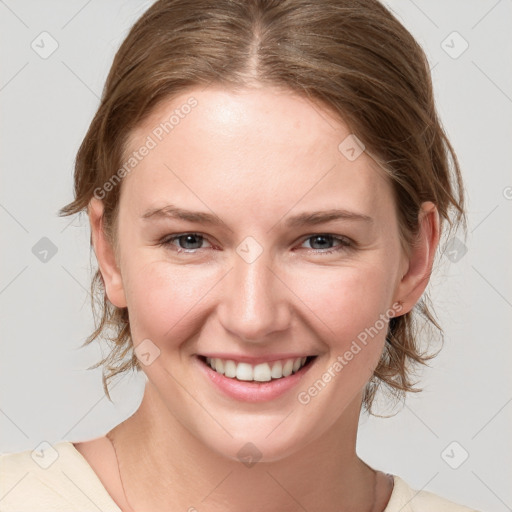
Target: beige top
x=58, y=478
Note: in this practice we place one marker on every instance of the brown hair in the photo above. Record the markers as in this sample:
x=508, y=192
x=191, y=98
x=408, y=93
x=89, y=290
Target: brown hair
x=352, y=56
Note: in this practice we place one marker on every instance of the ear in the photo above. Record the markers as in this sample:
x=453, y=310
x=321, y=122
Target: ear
x=105, y=255
x=420, y=260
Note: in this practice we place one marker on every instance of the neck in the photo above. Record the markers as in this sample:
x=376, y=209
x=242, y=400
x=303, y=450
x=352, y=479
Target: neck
x=162, y=462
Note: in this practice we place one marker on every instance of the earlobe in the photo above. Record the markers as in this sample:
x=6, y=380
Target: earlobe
x=105, y=255
x=421, y=258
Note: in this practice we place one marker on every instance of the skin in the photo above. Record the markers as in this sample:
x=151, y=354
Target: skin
x=254, y=158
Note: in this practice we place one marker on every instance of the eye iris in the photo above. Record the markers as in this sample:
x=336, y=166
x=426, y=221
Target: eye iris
x=326, y=238
x=189, y=237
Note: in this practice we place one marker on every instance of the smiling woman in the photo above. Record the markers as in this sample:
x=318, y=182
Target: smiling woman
x=263, y=254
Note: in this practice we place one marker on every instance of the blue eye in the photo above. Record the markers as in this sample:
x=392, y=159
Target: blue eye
x=185, y=241
x=327, y=240
x=192, y=242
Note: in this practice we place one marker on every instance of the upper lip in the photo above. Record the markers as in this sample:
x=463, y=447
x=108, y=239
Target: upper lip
x=255, y=360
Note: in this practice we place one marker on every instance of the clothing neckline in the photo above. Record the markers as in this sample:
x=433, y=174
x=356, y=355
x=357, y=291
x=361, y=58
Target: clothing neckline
x=397, y=501
x=98, y=484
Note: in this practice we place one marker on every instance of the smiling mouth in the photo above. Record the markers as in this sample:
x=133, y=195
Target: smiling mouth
x=263, y=372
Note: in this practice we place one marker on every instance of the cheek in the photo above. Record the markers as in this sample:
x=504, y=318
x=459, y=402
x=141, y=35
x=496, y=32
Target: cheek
x=163, y=299
x=353, y=309
x=345, y=301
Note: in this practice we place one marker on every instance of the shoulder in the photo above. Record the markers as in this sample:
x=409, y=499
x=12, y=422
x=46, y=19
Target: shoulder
x=406, y=499
x=53, y=478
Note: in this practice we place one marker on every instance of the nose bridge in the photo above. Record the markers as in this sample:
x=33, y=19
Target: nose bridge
x=253, y=303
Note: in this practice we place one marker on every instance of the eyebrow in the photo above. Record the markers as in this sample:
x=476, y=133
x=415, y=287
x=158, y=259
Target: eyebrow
x=302, y=219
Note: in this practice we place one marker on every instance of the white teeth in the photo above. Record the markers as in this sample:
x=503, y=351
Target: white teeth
x=244, y=371
x=288, y=368
x=277, y=370
x=262, y=372
x=230, y=369
x=219, y=366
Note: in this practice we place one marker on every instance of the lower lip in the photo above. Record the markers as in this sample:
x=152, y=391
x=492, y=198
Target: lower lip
x=250, y=391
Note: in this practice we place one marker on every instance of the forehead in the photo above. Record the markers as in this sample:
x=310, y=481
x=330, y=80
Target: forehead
x=255, y=149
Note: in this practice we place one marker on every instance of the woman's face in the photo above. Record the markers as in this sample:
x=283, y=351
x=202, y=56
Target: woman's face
x=262, y=276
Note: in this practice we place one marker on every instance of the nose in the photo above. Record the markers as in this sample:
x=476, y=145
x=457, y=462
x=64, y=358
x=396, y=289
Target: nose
x=254, y=301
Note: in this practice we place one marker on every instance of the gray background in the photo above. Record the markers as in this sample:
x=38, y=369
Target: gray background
x=47, y=103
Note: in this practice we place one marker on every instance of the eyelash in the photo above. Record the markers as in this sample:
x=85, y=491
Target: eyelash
x=345, y=243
